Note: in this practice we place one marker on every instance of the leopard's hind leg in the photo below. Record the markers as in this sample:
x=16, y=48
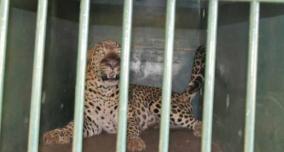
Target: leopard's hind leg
x=181, y=115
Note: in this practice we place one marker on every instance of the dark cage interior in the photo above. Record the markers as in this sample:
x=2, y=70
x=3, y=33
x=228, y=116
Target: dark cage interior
x=148, y=38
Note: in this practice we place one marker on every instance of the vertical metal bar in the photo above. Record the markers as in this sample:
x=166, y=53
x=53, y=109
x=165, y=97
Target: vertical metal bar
x=80, y=76
x=124, y=78
x=4, y=13
x=251, y=77
x=167, y=76
x=209, y=76
x=265, y=1
x=37, y=76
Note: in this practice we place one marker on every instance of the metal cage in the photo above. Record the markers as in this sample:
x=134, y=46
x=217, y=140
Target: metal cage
x=166, y=94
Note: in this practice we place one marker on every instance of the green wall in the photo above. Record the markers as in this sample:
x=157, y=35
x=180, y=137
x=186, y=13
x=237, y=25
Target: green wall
x=58, y=84
x=229, y=107
x=270, y=97
x=17, y=84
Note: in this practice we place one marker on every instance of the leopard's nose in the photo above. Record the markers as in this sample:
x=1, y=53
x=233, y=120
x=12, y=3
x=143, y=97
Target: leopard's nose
x=113, y=63
x=112, y=60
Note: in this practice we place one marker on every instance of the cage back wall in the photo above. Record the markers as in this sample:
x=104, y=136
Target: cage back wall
x=150, y=38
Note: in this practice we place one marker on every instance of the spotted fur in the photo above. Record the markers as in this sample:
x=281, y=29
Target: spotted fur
x=144, y=106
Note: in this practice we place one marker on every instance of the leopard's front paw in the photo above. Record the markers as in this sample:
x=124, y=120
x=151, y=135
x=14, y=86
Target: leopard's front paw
x=135, y=144
x=56, y=136
x=197, y=129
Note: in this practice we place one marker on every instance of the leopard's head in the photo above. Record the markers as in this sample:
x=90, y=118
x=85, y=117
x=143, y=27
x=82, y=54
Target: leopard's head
x=104, y=60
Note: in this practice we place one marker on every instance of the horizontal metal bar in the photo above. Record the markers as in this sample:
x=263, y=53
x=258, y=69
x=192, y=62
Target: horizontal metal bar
x=37, y=76
x=251, y=78
x=4, y=13
x=209, y=76
x=167, y=76
x=267, y=1
x=80, y=76
x=124, y=78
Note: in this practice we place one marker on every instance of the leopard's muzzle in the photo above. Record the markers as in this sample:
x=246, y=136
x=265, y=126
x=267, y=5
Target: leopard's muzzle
x=110, y=68
x=110, y=78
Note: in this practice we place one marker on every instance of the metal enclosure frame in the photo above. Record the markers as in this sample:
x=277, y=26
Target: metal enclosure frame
x=124, y=82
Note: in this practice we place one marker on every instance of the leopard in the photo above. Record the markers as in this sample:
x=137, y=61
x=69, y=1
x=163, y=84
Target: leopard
x=101, y=100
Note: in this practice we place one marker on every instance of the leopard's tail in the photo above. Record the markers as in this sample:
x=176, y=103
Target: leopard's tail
x=198, y=69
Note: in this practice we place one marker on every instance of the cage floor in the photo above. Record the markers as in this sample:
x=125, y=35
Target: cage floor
x=180, y=141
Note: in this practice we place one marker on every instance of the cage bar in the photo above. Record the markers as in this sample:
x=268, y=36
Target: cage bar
x=124, y=76
x=167, y=76
x=251, y=77
x=209, y=76
x=267, y=1
x=37, y=76
x=80, y=76
x=4, y=13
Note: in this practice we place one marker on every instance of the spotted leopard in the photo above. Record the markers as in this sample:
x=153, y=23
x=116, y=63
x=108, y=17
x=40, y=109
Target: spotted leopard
x=144, y=106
